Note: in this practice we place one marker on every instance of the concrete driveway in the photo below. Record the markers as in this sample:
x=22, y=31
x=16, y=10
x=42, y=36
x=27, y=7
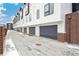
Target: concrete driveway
x=39, y=46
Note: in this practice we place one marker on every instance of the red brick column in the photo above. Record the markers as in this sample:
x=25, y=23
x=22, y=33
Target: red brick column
x=62, y=37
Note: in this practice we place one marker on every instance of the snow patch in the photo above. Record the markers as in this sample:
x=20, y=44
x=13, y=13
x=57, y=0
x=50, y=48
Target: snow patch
x=10, y=49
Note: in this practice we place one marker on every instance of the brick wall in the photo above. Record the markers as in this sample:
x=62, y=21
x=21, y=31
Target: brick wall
x=61, y=37
x=3, y=32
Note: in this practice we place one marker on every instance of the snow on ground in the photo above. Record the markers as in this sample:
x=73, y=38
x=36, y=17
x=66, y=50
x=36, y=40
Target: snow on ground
x=37, y=46
x=40, y=46
x=10, y=49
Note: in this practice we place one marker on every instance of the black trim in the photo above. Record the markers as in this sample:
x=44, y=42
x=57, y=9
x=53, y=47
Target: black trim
x=75, y=7
x=48, y=12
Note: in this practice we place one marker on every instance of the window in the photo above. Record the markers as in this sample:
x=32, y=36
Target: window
x=15, y=19
x=27, y=9
x=38, y=14
x=18, y=15
x=26, y=19
x=22, y=14
x=30, y=17
x=48, y=9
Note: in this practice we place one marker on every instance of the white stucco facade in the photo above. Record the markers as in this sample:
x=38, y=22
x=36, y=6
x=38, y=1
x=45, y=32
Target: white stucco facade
x=57, y=18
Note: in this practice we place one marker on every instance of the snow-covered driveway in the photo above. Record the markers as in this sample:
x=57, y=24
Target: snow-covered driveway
x=20, y=44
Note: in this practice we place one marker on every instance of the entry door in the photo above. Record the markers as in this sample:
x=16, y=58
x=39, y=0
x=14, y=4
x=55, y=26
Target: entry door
x=72, y=28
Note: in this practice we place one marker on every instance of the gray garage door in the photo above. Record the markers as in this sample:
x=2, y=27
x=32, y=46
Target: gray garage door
x=32, y=30
x=49, y=31
x=20, y=29
x=25, y=30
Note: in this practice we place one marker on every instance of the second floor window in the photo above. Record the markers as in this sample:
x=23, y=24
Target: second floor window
x=30, y=17
x=22, y=14
x=38, y=14
x=18, y=16
x=48, y=9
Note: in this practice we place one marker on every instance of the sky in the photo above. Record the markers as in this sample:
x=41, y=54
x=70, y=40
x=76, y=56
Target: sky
x=8, y=11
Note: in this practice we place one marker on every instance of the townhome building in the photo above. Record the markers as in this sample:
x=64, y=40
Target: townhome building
x=44, y=19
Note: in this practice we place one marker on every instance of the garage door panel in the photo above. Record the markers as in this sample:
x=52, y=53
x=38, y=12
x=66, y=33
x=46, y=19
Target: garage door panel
x=49, y=31
x=32, y=30
x=25, y=30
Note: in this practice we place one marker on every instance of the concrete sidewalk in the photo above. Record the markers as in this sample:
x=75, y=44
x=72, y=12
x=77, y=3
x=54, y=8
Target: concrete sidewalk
x=39, y=46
